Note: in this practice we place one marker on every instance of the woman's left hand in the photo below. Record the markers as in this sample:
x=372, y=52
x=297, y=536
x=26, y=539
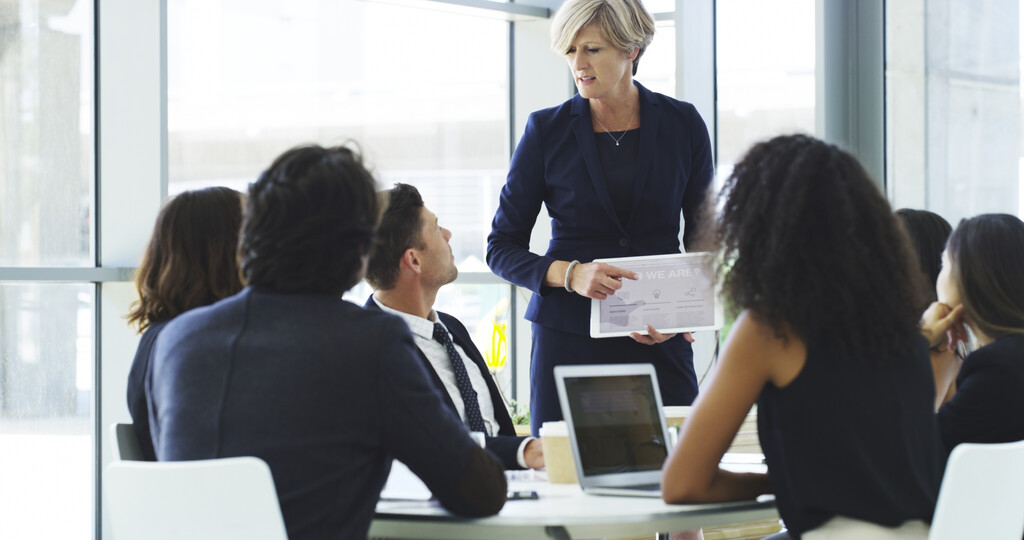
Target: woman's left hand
x=937, y=319
x=654, y=337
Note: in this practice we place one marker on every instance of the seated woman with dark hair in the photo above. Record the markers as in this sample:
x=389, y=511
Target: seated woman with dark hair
x=982, y=285
x=826, y=344
x=191, y=261
x=928, y=233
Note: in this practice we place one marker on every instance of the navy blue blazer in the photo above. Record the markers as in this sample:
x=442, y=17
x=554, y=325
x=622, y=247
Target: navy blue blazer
x=557, y=164
x=325, y=392
x=137, y=406
x=506, y=444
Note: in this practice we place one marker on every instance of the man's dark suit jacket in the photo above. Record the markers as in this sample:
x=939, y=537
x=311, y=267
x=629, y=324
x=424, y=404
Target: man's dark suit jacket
x=506, y=444
x=325, y=392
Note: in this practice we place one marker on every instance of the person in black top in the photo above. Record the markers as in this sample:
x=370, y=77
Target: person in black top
x=982, y=285
x=826, y=343
x=190, y=261
x=928, y=233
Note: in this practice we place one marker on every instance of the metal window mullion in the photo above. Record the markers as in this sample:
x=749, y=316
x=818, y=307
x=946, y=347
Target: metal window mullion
x=512, y=11
x=131, y=180
x=850, y=79
x=65, y=275
x=696, y=77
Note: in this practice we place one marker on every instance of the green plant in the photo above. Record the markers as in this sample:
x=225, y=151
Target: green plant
x=519, y=412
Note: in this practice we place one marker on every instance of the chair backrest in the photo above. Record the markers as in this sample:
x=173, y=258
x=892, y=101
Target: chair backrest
x=125, y=443
x=214, y=499
x=982, y=493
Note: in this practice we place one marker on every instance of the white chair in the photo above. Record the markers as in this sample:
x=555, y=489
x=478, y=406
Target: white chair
x=982, y=494
x=125, y=443
x=214, y=499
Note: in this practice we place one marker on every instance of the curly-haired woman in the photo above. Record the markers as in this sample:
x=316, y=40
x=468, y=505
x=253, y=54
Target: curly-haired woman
x=827, y=344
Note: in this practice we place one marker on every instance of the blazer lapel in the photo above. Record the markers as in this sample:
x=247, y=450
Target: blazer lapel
x=583, y=129
x=645, y=155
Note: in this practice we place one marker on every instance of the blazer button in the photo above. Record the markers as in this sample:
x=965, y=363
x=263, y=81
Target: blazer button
x=623, y=242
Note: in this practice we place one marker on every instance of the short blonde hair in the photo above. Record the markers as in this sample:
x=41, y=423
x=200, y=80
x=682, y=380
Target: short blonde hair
x=625, y=23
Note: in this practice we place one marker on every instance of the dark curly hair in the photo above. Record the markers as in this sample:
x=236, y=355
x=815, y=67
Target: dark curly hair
x=987, y=253
x=812, y=248
x=400, y=229
x=192, y=256
x=309, y=222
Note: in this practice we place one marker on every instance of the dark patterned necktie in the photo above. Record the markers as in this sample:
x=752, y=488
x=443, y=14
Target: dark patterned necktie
x=473, y=417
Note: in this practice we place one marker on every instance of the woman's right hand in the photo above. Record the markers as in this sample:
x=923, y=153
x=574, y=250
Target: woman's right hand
x=598, y=280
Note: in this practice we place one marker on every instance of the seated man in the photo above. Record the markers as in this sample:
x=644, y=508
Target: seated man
x=325, y=392
x=411, y=261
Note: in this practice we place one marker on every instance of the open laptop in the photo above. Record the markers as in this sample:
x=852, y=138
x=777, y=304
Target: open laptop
x=616, y=427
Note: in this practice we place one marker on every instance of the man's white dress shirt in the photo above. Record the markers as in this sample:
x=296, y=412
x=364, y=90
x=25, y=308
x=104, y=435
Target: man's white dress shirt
x=423, y=334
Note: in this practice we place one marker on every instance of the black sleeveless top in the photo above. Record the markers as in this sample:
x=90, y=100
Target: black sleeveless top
x=856, y=440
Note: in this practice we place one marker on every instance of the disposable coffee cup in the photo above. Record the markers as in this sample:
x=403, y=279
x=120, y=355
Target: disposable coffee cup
x=558, y=462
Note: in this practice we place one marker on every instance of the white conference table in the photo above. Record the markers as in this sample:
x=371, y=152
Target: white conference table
x=562, y=511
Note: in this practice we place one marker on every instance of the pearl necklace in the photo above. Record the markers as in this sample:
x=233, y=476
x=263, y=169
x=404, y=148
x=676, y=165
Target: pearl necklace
x=631, y=117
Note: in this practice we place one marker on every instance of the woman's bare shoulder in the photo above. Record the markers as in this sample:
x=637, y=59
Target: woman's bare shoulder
x=781, y=349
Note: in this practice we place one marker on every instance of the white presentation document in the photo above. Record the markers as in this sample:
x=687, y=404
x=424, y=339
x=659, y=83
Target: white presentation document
x=404, y=485
x=675, y=293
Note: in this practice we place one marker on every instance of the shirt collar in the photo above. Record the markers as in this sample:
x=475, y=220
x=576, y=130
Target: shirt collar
x=419, y=326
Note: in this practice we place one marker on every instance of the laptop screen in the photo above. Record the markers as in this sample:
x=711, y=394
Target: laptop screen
x=617, y=423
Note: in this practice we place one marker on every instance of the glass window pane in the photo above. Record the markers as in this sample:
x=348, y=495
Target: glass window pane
x=484, y=309
x=46, y=383
x=660, y=6
x=429, y=107
x=46, y=140
x=657, y=69
x=765, y=63
x=953, y=107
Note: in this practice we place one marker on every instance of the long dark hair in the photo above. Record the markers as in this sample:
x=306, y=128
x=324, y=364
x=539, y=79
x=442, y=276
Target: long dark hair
x=812, y=248
x=191, y=259
x=927, y=232
x=987, y=253
x=309, y=222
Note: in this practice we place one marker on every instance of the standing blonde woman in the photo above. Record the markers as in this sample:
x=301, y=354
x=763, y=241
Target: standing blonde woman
x=615, y=166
